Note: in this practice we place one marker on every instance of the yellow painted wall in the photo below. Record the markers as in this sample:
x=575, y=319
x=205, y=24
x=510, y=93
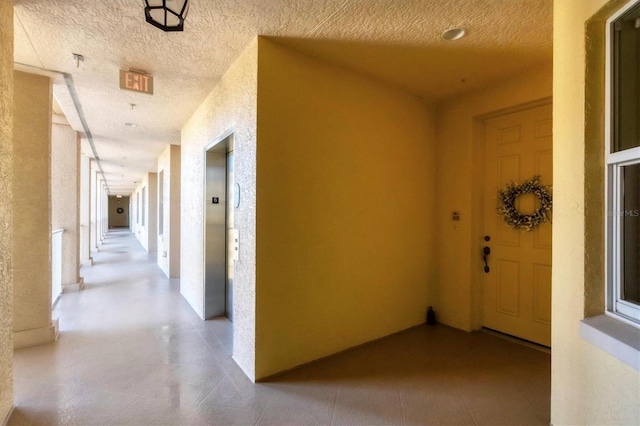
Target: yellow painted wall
x=6, y=214
x=345, y=209
x=459, y=155
x=588, y=385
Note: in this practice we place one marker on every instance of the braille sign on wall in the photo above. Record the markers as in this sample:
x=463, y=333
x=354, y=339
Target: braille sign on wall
x=136, y=81
x=215, y=200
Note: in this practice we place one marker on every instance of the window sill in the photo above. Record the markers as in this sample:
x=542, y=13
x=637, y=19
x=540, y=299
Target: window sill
x=618, y=339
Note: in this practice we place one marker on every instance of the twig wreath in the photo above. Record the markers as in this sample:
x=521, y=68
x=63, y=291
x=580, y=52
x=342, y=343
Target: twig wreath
x=526, y=222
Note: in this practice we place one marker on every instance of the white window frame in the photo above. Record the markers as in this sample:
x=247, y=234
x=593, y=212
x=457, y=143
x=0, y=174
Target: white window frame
x=616, y=307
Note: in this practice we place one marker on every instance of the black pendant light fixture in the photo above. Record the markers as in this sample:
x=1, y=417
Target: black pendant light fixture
x=168, y=15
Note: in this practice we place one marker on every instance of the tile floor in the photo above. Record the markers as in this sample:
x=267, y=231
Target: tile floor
x=132, y=352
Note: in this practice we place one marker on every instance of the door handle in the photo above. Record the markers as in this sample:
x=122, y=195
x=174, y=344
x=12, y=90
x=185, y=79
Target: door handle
x=486, y=251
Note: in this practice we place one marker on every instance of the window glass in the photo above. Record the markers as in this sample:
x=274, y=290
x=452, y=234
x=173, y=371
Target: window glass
x=623, y=166
x=626, y=81
x=631, y=234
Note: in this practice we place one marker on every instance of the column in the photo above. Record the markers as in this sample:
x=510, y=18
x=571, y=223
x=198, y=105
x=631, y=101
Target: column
x=174, y=212
x=32, y=324
x=169, y=211
x=93, y=226
x=152, y=212
x=104, y=208
x=85, y=211
x=100, y=209
x=6, y=213
x=65, y=198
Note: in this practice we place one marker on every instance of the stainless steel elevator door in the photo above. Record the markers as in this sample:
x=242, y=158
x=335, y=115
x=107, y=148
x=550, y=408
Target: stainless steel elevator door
x=230, y=246
x=215, y=234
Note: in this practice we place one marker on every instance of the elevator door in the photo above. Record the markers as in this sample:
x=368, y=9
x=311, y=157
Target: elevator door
x=230, y=243
x=219, y=236
x=215, y=235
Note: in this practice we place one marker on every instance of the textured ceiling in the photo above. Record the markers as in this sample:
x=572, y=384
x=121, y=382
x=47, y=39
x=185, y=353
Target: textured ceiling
x=397, y=41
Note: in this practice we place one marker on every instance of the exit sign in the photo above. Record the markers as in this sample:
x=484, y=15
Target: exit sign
x=136, y=81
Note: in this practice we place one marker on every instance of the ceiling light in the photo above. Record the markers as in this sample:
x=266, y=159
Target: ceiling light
x=453, y=34
x=131, y=124
x=168, y=15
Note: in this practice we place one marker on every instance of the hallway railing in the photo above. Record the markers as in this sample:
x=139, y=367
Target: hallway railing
x=56, y=265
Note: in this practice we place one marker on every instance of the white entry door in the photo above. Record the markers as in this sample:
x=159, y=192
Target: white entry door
x=517, y=287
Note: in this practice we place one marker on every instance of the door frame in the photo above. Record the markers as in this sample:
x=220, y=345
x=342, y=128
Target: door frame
x=477, y=204
x=222, y=144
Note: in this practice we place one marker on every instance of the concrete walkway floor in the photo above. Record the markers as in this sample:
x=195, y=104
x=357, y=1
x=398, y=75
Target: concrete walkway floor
x=132, y=352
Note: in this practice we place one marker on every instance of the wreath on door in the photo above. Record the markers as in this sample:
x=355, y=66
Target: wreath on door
x=120, y=210
x=525, y=222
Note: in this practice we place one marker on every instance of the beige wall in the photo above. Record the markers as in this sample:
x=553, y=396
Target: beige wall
x=588, y=385
x=31, y=210
x=6, y=213
x=459, y=155
x=65, y=197
x=169, y=241
x=231, y=107
x=345, y=217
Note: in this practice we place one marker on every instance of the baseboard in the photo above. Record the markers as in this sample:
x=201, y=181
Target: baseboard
x=6, y=419
x=36, y=336
x=79, y=286
x=517, y=340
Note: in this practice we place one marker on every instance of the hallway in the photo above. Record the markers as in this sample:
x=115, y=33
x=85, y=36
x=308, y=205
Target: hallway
x=131, y=351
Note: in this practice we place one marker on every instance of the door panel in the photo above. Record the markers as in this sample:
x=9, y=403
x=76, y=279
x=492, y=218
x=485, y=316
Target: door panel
x=508, y=287
x=517, y=289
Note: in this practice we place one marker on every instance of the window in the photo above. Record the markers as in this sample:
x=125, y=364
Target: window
x=137, y=208
x=623, y=165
